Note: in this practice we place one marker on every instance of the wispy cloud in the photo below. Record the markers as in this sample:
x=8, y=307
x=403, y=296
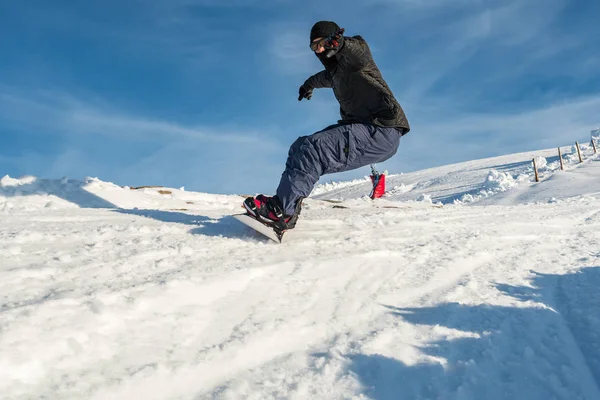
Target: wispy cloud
x=462, y=35
x=67, y=115
x=468, y=136
x=101, y=136
x=290, y=53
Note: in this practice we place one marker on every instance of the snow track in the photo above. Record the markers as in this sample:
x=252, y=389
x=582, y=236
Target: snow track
x=417, y=302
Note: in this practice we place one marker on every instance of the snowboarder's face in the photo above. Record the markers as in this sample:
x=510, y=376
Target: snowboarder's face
x=317, y=45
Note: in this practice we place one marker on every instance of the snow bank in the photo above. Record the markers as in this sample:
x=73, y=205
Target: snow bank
x=31, y=193
x=495, y=182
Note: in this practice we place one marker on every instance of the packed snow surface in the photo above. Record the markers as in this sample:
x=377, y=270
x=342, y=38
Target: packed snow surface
x=468, y=281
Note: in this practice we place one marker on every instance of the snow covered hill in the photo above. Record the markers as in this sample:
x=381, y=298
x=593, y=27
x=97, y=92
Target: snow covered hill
x=109, y=292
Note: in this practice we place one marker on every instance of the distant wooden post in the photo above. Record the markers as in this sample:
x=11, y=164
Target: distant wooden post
x=578, y=152
x=562, y=167
x=537, y=177
x=594, y=146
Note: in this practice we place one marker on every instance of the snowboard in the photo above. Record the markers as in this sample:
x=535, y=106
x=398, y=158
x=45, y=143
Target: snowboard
x=260, y=227
x=375, y=204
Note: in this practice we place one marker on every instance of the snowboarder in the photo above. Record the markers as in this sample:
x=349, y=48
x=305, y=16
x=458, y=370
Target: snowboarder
x=372, y=122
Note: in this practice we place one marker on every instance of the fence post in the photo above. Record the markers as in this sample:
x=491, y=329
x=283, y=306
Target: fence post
x=562, y=167
x=579, y=152
x=537, y=177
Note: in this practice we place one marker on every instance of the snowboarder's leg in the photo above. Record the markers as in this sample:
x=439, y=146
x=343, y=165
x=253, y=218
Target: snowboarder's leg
x=336, y=149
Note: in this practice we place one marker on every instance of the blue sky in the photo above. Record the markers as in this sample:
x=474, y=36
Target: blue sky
x=203, y=93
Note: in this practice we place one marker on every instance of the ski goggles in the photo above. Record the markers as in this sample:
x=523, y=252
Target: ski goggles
x=314, y=46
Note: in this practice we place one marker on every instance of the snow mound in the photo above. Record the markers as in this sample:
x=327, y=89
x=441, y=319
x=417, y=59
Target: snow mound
x=495, y=182
x=499, y=182
x=30, y=193
x=541, y=163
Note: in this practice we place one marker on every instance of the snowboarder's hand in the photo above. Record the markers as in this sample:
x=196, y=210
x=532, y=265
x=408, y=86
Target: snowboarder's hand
x=304, y=93
x=334, y=41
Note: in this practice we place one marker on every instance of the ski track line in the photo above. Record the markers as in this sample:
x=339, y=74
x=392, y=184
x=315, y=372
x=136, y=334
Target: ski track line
x=351, y=288
x=576, y=329
x=575, y=321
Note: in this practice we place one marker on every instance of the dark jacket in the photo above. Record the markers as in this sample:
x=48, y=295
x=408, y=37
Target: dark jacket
x=359, y=87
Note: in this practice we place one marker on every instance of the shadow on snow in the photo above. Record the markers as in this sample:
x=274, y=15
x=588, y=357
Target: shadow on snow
x=226, y=226
x=72, y=191
x=547, y=349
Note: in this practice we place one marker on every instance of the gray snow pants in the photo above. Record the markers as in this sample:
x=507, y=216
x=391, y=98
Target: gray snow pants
x=337, y=148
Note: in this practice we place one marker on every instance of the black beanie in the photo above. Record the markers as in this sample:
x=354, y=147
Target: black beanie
x=323, y=29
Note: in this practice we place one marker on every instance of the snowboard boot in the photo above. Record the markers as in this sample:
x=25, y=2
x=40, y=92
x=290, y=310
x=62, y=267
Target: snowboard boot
x=378, y=190
x=269, y=211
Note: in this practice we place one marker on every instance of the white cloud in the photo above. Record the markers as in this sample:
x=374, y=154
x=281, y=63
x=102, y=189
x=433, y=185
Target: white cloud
x=66, y=115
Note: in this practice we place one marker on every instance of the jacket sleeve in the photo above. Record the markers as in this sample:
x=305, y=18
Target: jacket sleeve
x=355, y=53
x=319, y=80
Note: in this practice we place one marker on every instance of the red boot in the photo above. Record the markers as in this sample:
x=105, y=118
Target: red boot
x=378, y=181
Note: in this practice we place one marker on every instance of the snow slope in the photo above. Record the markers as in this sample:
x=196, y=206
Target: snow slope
x=114, y=293
x=471, y=181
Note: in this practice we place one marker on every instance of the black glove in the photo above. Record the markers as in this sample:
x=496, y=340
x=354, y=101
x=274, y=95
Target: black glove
x=335, y=41
x=304, y=93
